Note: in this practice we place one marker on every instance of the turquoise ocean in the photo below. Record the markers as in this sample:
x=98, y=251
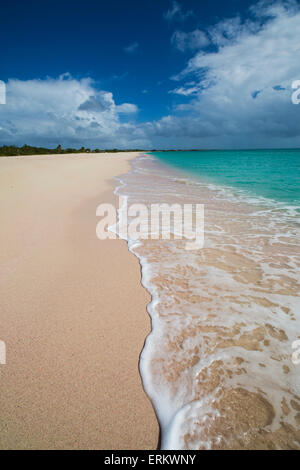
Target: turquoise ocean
x=272, y=174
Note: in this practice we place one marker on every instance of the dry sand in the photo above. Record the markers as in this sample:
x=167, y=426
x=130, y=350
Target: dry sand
x=72, y=311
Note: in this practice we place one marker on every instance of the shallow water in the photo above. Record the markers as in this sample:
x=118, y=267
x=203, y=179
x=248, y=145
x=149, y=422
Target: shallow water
x=272, y=174
x=218, y=362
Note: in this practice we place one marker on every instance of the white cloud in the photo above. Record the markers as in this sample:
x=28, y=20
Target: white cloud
x=67, y=111
x=189, y=41
x=185, y=91
x=132, y=48
x=176, y=12
x=127, y=108
x=242, y=91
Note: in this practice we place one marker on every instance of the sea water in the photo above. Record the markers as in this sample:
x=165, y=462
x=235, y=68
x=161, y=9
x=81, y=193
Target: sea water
x=217, y=364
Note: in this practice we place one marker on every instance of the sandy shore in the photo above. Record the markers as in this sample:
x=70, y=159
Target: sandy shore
x=73, y=312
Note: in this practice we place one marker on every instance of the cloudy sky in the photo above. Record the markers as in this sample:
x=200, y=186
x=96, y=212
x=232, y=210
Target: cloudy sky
x=150, y=74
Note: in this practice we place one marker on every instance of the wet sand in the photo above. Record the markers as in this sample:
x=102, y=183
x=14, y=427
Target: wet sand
x=73, y=312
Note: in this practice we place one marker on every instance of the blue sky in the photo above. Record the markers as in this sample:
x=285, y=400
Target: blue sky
x=157, y=73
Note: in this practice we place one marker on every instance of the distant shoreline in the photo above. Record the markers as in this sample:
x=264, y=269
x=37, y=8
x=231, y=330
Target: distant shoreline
x=26, y=150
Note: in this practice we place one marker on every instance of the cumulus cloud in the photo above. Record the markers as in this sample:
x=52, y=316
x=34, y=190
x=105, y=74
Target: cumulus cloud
x=176, y=12
x=127, y=108
x=241, y=92
x=67, y=111
x=189, y=41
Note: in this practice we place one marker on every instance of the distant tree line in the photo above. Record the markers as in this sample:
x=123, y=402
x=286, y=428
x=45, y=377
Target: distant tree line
x=12, y=150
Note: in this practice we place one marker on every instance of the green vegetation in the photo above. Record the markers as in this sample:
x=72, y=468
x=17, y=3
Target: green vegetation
x=12, y=150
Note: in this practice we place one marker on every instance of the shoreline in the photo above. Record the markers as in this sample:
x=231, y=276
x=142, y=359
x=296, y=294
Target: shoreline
x=222, y=326
x=71, y=378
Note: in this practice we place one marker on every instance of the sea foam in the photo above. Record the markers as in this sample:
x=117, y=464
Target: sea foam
x=217, y=364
